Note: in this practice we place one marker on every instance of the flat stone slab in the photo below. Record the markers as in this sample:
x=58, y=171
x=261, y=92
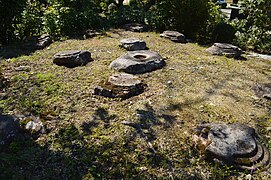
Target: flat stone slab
x=133, y=44
x=233, y=144
x=174, y=36
x=38, y=42
x=263, y=90
x=72, y=58
x=137, y=62
x=120, y=86
x=9, y=128
x=44, y=40
x=224, y=49
x=91, y=33
x=135, y=27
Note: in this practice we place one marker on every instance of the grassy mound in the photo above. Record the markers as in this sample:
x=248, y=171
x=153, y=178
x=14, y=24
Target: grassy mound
x=84, y=136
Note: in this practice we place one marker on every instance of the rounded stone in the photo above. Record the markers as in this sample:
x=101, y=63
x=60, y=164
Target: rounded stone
x=44, y=40
x=123, y=79
x=120, y=86
x=72, y=58
x=37, y=42
x=135, y=27
x=233, y=144
x=137, y=62
x=133, y=44
x=174, y=36
x=224, y=49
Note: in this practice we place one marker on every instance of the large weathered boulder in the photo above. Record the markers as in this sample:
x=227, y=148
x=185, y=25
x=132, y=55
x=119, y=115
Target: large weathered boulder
x=137, y=62
x=133, y=44
x=233, y=144
x=224, y=49
x=91, y=33
x=174, y=36
x=72, y=58
x=120, y=86
x=135, y=27
x=44, y=40
x=38, y=42
x=263, y=90
x=9, y=129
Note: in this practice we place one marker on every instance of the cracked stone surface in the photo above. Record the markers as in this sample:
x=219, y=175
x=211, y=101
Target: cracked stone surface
x=224, y=49
x=120, y=86
x=174, y=36
x=133, y=44
x=38, y=42
x=233, y=144
x=72, y=58
x=137, y=62
x=135, y=27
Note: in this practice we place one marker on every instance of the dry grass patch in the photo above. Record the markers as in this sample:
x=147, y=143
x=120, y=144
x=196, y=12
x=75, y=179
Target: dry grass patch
x=193, y=88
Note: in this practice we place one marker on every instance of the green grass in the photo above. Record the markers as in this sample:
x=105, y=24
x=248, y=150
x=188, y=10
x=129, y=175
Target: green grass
x=85, y=138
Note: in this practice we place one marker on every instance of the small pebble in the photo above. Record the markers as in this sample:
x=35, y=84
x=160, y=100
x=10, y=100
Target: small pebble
x=23, y=68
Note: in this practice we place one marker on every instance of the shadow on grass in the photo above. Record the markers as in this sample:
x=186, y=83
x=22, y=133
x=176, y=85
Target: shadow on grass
x=13, y=51
x=149, y=116
x=69, y=153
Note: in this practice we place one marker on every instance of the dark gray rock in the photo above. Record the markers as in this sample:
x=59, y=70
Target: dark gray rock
x=38, y=42
x=133, y=44
x=72, y=58
x=120, y=86
x=9, y=129
x=91, y=34
x=44, y=40
x=174, y=36
x=233, y=144
x=263, y=90
x=135, y=27
x=137, y=62
x=224, y=49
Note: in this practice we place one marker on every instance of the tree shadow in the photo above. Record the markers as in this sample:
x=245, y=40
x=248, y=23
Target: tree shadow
x=149, y=116
x=13, y=51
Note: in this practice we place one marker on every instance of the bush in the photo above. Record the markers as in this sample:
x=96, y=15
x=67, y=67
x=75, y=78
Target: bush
x=21, y=19
x=195, y=18
x=9, y=10
x=118, y=15
x=187, y=16
x=78, y=15
x=29, y=22
x=254, y=32
x=223, y=33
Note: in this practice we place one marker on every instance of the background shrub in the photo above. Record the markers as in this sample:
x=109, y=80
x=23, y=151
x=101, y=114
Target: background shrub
x=254, y=31
x=223, y=33
x=25, y=18
x=29, y=22
x=9, y=10
x=187, y=16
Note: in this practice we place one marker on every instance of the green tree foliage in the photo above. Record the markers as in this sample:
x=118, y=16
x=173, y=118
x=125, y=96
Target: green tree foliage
x=195, y=18
x=20, y=19
x=9, y=10
x=29, y=22
x=254, y=31
x=187, y=16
